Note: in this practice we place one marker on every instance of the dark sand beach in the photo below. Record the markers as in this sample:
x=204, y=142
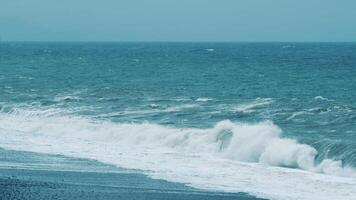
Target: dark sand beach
x=42, y=184
x=25, y=175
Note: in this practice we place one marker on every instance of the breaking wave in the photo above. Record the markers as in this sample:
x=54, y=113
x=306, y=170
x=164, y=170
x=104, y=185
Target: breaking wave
x=234, y=157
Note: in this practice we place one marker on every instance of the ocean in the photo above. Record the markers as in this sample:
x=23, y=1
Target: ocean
x=262, y=120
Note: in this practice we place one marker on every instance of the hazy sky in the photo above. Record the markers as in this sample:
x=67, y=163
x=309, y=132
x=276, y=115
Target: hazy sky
x=178, y=20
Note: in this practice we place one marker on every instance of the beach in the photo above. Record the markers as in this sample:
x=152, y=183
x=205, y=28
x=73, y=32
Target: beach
x=97, y=182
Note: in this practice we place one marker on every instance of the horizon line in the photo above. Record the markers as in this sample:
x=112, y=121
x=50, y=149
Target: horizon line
x=162, y=41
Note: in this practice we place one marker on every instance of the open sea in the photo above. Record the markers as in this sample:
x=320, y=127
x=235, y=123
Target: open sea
x=257, y=120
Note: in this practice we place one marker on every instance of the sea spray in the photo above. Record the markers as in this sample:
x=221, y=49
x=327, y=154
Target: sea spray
x=259, y=142
x=232, y=157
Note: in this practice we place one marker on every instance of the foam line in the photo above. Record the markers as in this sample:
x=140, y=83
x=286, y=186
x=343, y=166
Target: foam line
x=232, y=157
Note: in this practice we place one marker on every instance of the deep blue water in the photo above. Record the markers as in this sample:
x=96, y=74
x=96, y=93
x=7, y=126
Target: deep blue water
x=308, y=90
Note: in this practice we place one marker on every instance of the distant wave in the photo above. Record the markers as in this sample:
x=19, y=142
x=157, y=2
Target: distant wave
x=288, y=46
x=321, y=98
x=295, y=114
x=152, y=109
x=250, y=106
x=66, y=98
x=203, y=99
x=233, y=157
x=333, y=109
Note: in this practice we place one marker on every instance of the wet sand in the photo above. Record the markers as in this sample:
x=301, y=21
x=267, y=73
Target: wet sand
x=44, y=184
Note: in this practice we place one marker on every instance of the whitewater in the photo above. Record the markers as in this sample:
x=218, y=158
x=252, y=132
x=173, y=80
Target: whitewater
x=233, y=157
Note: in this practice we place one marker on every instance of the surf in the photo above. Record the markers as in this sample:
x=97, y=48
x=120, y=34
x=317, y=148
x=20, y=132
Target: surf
x=230, y=156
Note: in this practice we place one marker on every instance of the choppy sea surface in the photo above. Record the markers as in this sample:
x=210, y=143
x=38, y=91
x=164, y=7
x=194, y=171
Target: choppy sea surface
x=274, y=120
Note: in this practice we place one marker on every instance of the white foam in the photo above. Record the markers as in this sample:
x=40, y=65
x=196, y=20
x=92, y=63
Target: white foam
x=288, y=46
x=154, y=108
x=153, y=105
x=250, y=106
x=295, y=114
x=230, y=157
x=322, y=98
x=177, y=108
x=203, y=99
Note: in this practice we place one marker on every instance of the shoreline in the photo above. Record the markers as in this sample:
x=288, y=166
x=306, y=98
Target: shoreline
x=45, y=184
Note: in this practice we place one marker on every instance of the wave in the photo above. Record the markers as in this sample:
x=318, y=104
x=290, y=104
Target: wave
x=288, y=46
x=66, y=98
x=322, y=98
x=204, y=99
x=251, y=106
x=153, y=109
x=232, y=157
x=335, y=110
x=295, y=114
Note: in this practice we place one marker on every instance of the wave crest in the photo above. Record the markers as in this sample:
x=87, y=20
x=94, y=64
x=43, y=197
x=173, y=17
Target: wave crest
x=229, y=156
x=261, y=142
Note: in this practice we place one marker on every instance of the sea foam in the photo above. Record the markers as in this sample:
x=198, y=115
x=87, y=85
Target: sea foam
x=250, y=107
x=232, y=157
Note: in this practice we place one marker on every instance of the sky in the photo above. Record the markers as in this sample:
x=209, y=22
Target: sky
x=178, y=20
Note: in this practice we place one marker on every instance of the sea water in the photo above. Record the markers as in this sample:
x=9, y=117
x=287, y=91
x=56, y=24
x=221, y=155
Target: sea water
x=274, y=120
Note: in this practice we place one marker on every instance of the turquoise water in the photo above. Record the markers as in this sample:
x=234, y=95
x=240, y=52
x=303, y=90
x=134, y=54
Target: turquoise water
x=221, y=107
